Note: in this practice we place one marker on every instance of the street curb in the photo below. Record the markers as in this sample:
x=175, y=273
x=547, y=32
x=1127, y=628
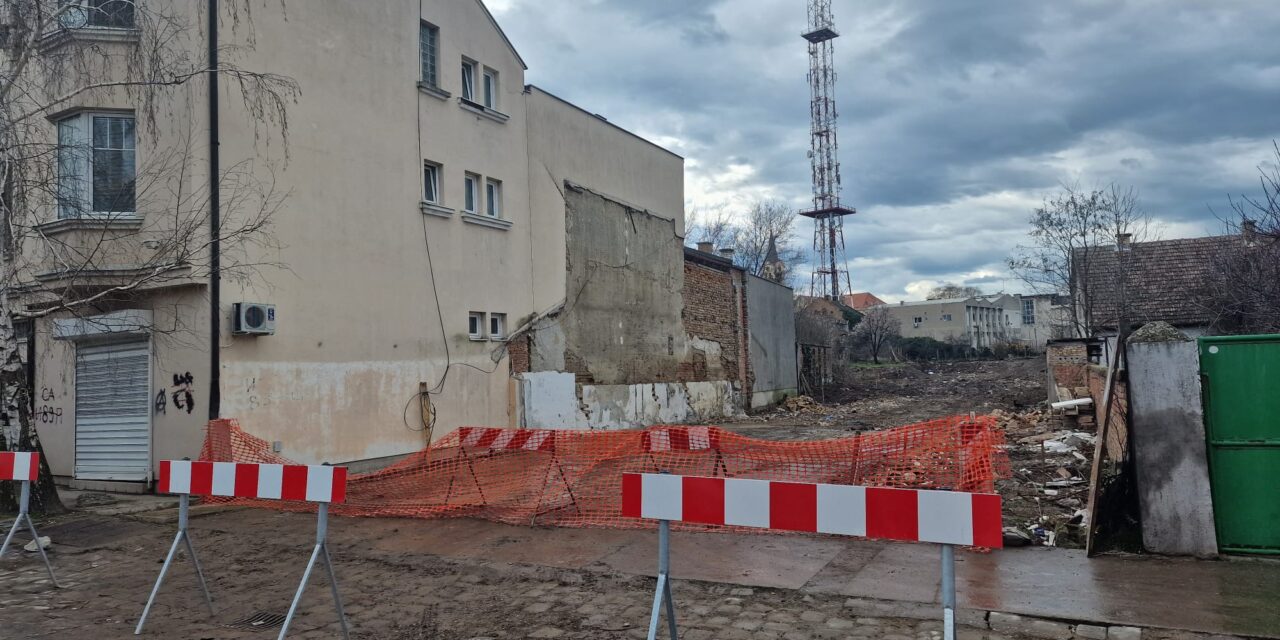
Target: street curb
x=1027, y=625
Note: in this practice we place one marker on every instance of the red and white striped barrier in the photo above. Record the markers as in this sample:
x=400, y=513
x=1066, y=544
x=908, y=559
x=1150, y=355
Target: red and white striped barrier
x=945, y=517
x=312, y=483
x=23, y=467
x=18, y=466
x=667, y=439
x=321, y=484
x=496, y=439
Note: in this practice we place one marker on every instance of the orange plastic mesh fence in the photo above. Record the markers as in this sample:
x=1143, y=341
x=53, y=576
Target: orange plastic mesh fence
x=574, y=478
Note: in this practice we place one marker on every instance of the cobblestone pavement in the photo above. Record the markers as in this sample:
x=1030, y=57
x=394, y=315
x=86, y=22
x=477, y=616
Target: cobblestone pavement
x=107, y=565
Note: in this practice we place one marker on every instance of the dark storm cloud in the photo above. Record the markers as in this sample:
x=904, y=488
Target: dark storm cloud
x=957, y=116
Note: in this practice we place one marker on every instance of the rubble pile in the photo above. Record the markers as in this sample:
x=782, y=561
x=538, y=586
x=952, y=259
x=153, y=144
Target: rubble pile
x=1046, y=497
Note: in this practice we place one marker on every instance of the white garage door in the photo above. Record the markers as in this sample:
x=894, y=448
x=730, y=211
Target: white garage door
x=113, y=425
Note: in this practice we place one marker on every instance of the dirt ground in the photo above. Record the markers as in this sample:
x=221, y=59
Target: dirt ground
x=254, y=558
x=1047, y=486
x=869, y=397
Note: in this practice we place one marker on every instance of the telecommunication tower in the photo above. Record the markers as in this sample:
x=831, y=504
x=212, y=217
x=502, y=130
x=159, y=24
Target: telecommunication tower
x=824, y=154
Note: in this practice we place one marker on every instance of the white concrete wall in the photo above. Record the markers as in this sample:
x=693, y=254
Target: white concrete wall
x=550, y=400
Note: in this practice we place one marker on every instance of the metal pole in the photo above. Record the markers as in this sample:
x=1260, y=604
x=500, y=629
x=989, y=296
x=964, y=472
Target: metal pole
x=22, y=510
x=662, y=594
x=322, y=546
x=24, y=502
x=948, y=592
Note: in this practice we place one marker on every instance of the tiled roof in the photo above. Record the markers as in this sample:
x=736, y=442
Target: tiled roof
x=861, y=301
x=1162, y=280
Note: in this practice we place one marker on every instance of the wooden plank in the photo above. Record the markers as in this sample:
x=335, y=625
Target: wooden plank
x=1099, y=448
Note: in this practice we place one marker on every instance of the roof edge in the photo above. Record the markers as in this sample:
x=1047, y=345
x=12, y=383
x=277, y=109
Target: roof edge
x=532, y=87
x=502, y=33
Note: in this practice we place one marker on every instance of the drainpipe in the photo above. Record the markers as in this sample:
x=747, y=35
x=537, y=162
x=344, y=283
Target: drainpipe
x=215, y=230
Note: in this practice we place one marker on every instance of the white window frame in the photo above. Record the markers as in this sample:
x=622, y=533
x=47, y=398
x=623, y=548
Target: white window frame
x=497, y=326
x=470, y=192
x=493, y=198
x=431, y=172
x=489, y=89
x=429, y=54
x=469, y=68
x=78, y=188
x=476, y=325
x=83, y=15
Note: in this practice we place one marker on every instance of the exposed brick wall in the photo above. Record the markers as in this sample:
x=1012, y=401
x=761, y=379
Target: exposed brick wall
x=1117, y=447
x=712, y=312
x=518, y=352
x=1068, y=363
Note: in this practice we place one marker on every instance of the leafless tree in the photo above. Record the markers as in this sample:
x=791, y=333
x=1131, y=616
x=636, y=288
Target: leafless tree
x=79, y=201
x=1243, y=292
x=749, y=234
x=877, y=330
x=1066, y=231
x=950, y=290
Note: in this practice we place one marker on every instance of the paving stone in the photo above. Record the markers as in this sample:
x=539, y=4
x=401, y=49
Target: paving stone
x=1124, y=633
x=1091, y=632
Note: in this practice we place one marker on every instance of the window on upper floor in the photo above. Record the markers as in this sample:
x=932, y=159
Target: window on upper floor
x=429, y=50
x=431, y=182
x=468, y=80
x=1028, y=312
x=117, y=14
x=497, y=326
x=493, y=198
x=470, y=188
x=490, y=88
x=96, y=166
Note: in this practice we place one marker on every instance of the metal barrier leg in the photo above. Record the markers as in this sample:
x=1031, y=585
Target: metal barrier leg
x=663, y=592
x=948, y=592
x=337, y=598
x=23, y=504
x=322, y=531
x=184, y=506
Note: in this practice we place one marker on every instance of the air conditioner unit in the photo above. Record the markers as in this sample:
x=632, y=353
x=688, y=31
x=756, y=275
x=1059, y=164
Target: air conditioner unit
x=254, y=319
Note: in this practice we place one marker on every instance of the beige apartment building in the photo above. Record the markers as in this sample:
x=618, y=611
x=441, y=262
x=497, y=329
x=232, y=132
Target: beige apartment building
x=446, y=246
x=979, y=322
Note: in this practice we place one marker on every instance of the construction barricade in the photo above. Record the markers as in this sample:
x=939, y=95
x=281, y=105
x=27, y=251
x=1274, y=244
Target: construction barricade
x=948, y=518
x=23, y=467
x=319, y=484
x=574, y=478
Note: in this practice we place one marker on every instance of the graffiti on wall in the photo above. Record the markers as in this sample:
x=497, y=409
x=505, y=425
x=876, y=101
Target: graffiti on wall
x=183, y=392
x=47, y=411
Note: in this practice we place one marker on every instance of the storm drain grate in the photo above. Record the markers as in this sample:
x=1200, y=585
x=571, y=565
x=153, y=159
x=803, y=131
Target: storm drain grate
x=258, y=621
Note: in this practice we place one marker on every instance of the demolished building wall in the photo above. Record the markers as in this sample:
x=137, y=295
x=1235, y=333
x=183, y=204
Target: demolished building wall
x=628, y=347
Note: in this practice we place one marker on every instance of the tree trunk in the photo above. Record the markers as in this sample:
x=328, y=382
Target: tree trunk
x=44, y=493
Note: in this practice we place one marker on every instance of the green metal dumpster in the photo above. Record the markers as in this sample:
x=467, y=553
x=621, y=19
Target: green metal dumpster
x=1241, y=389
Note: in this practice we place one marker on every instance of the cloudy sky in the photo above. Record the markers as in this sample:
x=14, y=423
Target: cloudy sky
x=957, y=116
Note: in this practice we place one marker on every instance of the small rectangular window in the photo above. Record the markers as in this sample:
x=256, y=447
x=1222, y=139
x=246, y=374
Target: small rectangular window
x=109, y=13
x=498, y=326
x=490, y=88
x=429, y=49
x=468, y=80
x=431, y=183
x=475, y=325
x=470, y=185
x=493, y=198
